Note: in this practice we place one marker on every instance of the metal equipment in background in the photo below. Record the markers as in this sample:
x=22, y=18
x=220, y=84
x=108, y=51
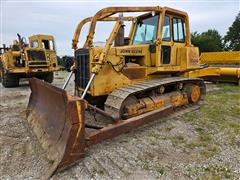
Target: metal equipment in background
x=219, y=67
x=22, y=60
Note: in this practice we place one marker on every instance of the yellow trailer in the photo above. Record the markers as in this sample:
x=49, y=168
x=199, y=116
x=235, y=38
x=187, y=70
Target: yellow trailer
x=219, y=67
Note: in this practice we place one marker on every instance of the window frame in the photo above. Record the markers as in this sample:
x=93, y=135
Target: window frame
x=43, y=43
x=48, y=43
x=169, y=49
x=35, y=41
x=170, y=38
x=135, y=29
x=183, y=29
x=53, y=45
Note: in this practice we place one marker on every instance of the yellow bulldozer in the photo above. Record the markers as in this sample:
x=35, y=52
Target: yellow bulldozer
x=130, y=81
x=23, y=60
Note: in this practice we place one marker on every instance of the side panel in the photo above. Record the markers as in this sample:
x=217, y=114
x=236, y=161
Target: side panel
x=188, y=58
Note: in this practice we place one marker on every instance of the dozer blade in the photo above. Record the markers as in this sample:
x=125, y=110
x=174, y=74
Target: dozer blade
x=57, y=120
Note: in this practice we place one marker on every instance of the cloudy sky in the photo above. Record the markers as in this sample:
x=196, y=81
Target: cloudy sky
x=60, y=18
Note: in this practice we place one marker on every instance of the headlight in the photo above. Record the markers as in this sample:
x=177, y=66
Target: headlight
x=23, y=56
x=48, y=57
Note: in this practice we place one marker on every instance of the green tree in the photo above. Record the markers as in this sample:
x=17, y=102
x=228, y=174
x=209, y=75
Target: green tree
x=232, y=38
x=59, y=60
x=209, y=41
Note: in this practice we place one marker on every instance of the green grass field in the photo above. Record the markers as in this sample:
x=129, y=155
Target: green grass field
x=218, y=126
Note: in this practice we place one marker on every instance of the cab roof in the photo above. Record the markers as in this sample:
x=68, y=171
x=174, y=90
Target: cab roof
x=41, y=36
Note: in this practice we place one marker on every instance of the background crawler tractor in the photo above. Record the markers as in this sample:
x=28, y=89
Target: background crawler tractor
x=22, y=60
x=130, y=81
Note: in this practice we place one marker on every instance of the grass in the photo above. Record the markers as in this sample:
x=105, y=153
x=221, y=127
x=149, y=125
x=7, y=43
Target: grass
x=235, y=126
x=205, y=139
x=209, y=151
x=204, y=142
x=157, y=167
x=146, y=167
x=51, y=161
x=220, y=112
x=156, y=135
x=216, y=124
x=212, y=172
x=160, y=169
x=177, y=140
x=217, y=172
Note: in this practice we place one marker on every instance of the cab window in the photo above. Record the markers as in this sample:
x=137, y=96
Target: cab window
x=34, y=44
x=45, y=44
x=166, y=29
x=146, y=31
x=48, y=44
x=51, y=45
x=178, y=30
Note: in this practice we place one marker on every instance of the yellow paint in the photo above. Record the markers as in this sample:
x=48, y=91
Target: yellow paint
x=230, y=57
x=184, y=57
x=78, y=104
x=225, y=66
x=9, y=58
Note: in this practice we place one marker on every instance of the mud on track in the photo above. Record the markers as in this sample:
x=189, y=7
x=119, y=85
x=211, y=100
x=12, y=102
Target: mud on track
x=183, y=145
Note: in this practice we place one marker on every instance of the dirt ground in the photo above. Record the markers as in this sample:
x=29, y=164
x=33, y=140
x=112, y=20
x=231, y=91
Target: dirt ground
x=201, y=144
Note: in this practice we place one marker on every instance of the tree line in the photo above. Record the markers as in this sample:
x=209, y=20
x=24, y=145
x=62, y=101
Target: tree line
x=211, y=40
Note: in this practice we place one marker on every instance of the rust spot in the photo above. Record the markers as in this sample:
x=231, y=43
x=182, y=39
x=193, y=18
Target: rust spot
x=135, y=73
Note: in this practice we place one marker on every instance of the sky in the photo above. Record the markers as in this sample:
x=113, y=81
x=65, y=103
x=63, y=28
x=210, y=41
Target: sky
x=60, y=18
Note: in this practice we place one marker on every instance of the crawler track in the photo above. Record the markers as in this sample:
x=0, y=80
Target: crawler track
x=113, y=104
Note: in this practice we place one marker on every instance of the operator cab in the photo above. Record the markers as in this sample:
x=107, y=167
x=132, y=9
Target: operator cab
x=47, y=43
x=42, y=41
x=172, y=31
x=167, y=36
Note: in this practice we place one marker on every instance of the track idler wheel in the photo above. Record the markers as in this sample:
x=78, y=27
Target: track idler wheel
x=193, y=92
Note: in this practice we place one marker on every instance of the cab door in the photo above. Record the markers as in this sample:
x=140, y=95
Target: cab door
x=165, y=58
x=173, y=38
x=178, y=39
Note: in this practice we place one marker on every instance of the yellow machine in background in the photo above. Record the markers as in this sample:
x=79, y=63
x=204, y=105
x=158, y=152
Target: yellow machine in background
x=219, y=67
x=21, y=60
x=130, y=81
